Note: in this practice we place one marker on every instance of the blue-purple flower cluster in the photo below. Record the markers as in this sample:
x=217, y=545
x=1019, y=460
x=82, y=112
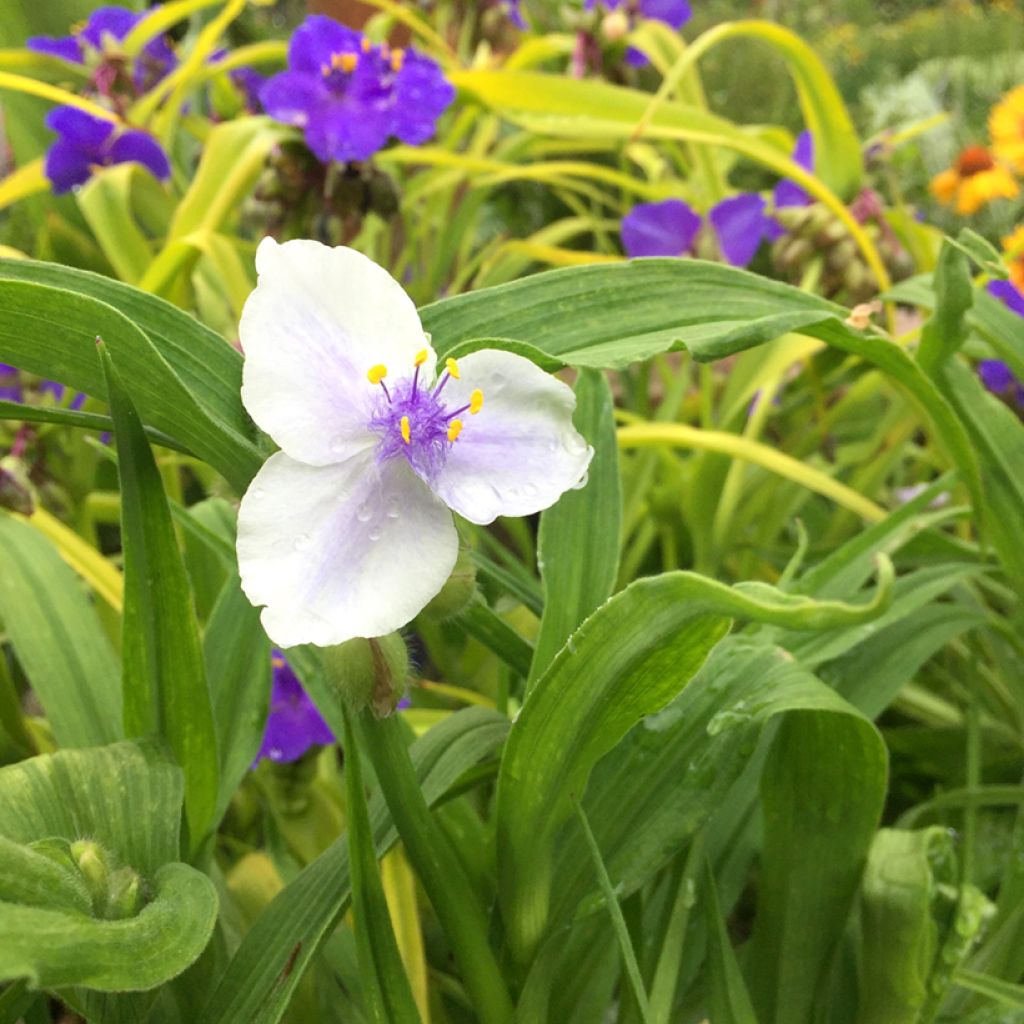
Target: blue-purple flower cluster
x=350, y=96
x=97, y=45
x=741, y=222
x=86, y=142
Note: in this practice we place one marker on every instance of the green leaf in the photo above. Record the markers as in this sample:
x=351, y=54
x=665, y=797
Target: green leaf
x=629, y=659
x=946, y=330
x=263, y=973
x=612, y=315
x=237, y=656
x=578, y=542
x=900, y=922
x=387, y=989
x=999, y=440
x=822, y=792
x=1004, y=993
x=58, y=639
x=126, y=798
x=164, y=676
x=185, y=379
x=728, y=999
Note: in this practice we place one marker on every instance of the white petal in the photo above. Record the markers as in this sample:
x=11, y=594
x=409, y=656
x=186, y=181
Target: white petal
x=336, y=552
x=520, y=453
x=318, y=319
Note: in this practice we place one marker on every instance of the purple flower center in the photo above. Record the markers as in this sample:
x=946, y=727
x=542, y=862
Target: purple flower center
x=413, y=420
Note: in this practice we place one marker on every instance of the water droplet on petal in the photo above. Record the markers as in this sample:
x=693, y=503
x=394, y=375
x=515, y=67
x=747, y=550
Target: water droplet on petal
x=574, y=443
x=338, y=444
x=374, y=534
x=392, y=511
x=529, y=490
x=364, y=512
x=302, y=542
x=581, y=483
x=552, y=446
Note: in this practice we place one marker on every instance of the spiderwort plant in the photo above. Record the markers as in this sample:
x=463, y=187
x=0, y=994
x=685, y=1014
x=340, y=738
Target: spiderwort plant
x=347, y=531
x=350, y=96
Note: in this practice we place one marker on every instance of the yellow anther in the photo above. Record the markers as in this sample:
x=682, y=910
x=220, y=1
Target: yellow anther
x=452, y=367
x=454, y=429
x=397, y=60
x=476, y=401
x=404, y=424
x=345, y=62
x=376, y=373
x=366, y=45
x=421, y=357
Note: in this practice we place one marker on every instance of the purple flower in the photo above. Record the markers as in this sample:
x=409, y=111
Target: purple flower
x=1008, y=294
x=98, y=38
x=996, y=376
x=294, y=724
x=742, y=222
x=249, y=83
x=515, y=13
x=85, y=142
x=674, y=13
x=667, y=228
x=12, y=390
x=350, y=96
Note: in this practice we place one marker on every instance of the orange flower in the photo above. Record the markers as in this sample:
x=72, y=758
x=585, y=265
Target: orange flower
x=1006, y=126
x=1013, y=247
x=974, y=180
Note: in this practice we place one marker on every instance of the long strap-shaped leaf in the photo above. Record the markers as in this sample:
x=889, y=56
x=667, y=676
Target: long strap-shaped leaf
x=164, y=676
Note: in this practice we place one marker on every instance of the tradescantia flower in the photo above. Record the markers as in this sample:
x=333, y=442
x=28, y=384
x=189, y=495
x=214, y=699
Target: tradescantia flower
x=667, y=228
x=98, y=41
x=294, y=724
x=743, y=221
x=347, y=531
x=85, y=142
x=350, y=96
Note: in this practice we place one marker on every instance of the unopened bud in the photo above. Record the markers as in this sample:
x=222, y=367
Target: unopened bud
x=457, y=592
x=91, y=860
x=369, y=672
x=124, y=895
x=615, y=25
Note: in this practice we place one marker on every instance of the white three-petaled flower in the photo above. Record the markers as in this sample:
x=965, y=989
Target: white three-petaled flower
x=346, y=532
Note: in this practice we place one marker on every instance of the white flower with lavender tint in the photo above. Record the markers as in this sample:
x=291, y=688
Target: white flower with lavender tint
x=347, y=531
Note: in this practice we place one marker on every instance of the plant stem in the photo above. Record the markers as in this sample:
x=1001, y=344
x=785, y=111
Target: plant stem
x=435, y=863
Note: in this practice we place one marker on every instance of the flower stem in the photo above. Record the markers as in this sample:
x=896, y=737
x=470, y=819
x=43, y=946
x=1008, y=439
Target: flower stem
x=451, y=895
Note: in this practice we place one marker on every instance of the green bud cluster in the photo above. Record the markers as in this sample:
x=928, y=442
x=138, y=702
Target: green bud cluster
x=296, y=196
x=814, y=235
x=369, y=673
x=116, y=892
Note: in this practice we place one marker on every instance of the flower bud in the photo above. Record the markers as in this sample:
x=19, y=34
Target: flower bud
x=615, y=25
x=369, y=672
x=92, y=862
x=457, y=592
x=124, y=895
